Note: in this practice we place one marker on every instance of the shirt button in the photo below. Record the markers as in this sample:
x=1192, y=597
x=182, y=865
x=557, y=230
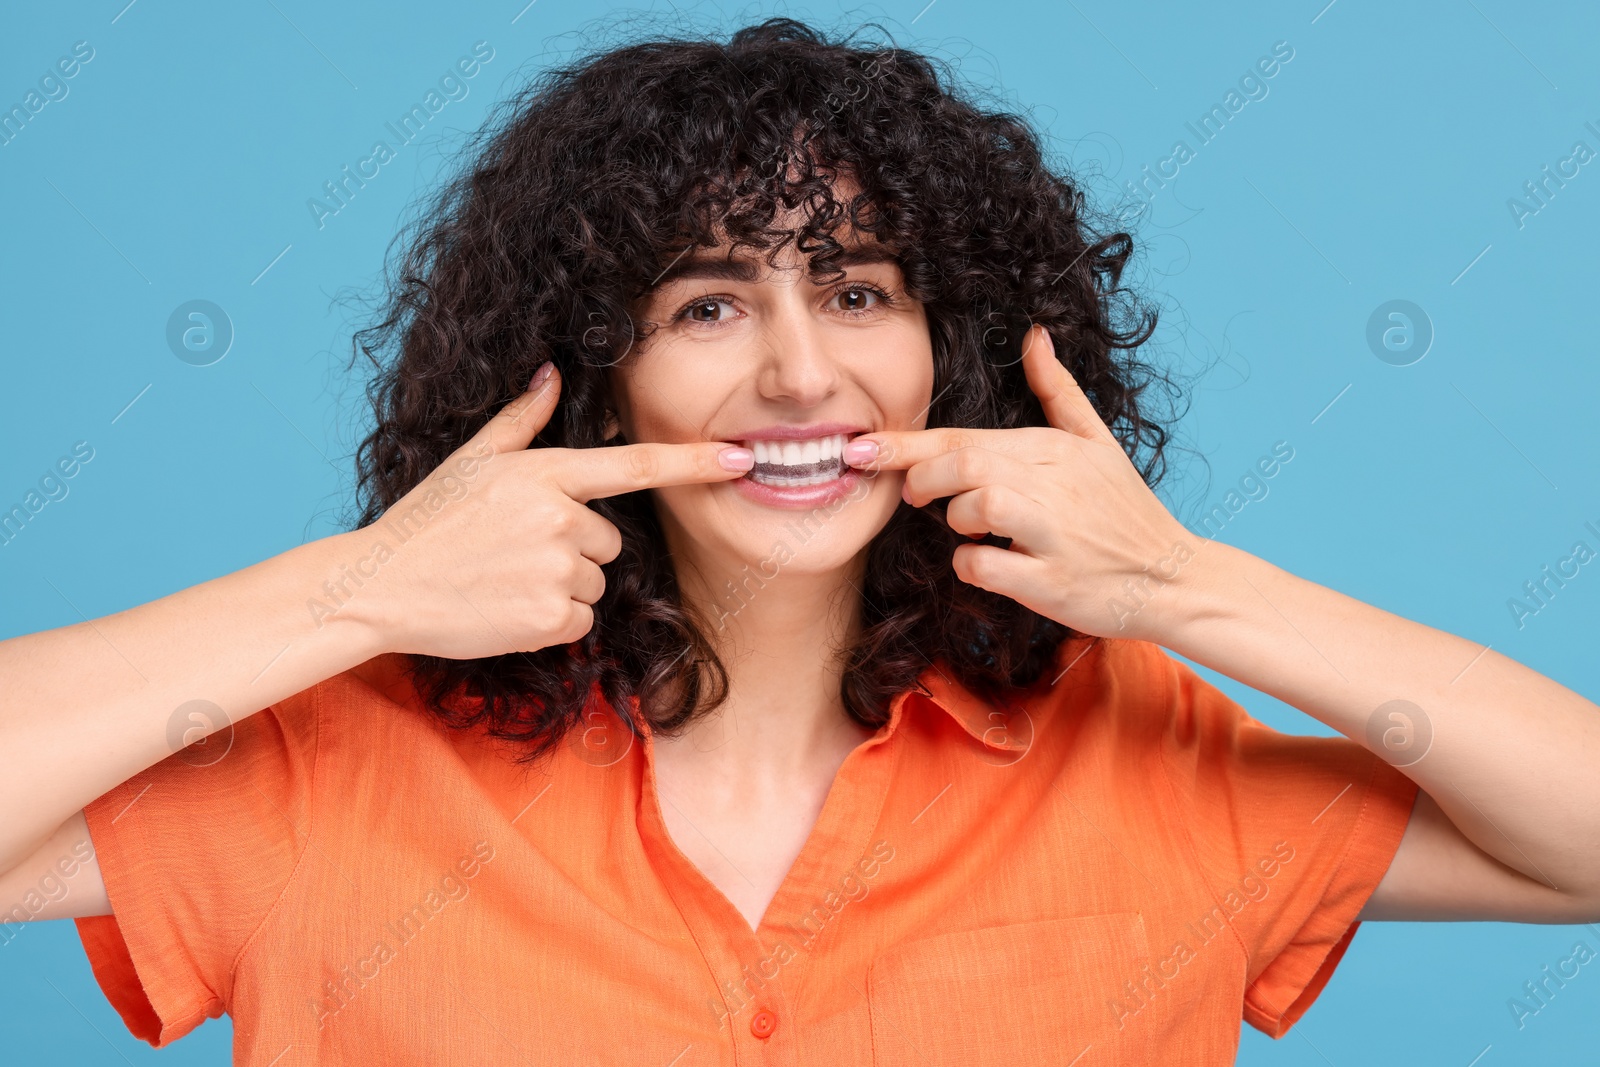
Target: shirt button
x=763, y=1023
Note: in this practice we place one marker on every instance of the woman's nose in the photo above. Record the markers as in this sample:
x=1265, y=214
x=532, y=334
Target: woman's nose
x=799, y=364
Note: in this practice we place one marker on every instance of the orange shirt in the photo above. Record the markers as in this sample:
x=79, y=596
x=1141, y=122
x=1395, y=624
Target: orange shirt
x=1115, y=871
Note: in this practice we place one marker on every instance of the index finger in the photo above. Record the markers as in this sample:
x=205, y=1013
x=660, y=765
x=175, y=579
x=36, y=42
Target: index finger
x=900, y=449
x=585, y=474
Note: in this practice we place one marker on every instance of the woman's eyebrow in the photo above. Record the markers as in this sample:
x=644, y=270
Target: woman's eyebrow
x=722, y=268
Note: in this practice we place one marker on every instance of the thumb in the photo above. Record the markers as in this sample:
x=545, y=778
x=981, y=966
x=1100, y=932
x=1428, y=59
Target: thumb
x=513, y=427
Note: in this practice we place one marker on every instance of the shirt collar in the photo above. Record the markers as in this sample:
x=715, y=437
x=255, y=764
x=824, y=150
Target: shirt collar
x=1000, y=729
x=996, y=728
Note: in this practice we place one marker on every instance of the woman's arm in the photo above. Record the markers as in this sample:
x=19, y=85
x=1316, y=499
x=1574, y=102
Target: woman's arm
x=1508, y=760
x=1508, y=823
x=87, y=706
x=493, y=552
x=60, y=880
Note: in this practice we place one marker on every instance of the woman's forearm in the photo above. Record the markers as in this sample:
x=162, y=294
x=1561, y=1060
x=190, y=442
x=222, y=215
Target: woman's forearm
x=1512, y=757
x=87, y=706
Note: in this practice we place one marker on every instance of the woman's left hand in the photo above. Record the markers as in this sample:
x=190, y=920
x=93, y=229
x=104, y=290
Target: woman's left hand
x=1091, y=545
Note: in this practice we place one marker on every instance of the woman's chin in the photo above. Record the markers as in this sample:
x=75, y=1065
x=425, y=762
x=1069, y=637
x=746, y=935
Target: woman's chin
x=813, y=529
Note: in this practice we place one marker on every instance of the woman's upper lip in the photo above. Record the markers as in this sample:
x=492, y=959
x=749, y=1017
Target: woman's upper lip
x=790, y=431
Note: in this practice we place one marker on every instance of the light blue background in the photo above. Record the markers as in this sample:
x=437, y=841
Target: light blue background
x=1378, y=167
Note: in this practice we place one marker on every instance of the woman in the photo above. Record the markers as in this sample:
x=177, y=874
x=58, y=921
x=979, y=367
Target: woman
x=776, y=675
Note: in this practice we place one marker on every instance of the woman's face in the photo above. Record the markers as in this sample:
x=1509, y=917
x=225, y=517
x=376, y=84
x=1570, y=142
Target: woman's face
x=769, y=359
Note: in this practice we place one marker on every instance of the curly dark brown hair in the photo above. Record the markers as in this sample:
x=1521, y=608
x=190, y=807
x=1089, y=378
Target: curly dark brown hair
x=598, y=174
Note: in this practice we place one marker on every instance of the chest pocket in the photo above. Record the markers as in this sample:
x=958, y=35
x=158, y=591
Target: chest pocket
x=1045, y=991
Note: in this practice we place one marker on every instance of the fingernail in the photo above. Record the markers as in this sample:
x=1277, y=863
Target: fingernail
x=858, y=452
x=736, y=459
x=541, y=374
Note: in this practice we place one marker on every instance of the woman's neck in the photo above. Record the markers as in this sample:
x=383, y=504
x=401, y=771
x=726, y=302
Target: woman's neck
x=778, y=642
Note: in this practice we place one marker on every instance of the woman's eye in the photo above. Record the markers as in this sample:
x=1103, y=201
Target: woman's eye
x=857, y=298
x=853, y=299
x=704, y=310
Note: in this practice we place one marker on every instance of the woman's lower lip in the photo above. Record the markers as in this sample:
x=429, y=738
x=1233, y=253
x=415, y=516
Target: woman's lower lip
x=799, y=496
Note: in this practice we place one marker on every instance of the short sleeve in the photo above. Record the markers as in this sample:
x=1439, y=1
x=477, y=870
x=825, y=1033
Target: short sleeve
x=195, y=852
x=1291, y=835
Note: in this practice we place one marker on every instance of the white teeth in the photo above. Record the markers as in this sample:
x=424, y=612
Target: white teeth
x=822, y=455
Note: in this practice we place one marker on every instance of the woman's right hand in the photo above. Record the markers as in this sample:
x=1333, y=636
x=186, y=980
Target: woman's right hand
x=495, y=551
